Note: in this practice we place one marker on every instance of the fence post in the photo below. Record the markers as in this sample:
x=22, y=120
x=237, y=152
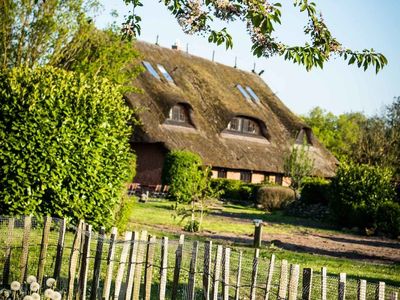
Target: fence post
x=131, y=265
x=148, y=271
x=362, y=289
x=97, y=265
x=110, y=264
x=238, y=276
x=283, y=280
x=7, y=255
x=73, y=260
x=177, y=269
x=342, y=286
x=380, y=291
x=227, y=257
x=82, y=284
x=139, y=265
x=207, y=270
x=43, y=249
x=294, y=281
x=192, y=272
x=393, y=296
x=217, y=271
x=307, y=283
x=323, y=283
x=254, y=274
x=122, y=263
x=25, y=248
x=269, y=277
x=164, y=267
x=60, y=249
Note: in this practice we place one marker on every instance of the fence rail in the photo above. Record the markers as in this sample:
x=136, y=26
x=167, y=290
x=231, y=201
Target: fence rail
x=95, y=265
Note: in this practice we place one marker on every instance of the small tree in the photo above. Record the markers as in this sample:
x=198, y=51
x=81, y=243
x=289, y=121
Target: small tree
x=297, y=166
x=189, y=184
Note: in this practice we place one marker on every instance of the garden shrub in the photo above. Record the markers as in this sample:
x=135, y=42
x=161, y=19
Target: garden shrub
x=357, y=193
x=64, y=145
x=388, y=219
x=315, y=190
x=274, y=197
x=182, y=172
x=235, y=190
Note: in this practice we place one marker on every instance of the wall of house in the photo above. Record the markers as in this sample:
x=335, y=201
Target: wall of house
x=214, y=174
x=286, y=181
x=257, y=177
x=149, y=162
x=233, y=175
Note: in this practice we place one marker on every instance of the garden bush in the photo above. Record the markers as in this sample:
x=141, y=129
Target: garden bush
x=357, y=193
x=315, y=190
x=275, y=197
x=388, y=219
x=235, y=190
x=64, y=145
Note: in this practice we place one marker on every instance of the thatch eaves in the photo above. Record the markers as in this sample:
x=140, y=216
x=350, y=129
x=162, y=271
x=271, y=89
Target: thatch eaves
x=209, y=88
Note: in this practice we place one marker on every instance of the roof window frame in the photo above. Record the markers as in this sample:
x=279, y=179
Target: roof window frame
x=252, y=94
x=244, y=93
x=149, y=67
x=165, y=74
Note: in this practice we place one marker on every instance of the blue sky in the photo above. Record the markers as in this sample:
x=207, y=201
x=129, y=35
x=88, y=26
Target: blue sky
x=339, y=88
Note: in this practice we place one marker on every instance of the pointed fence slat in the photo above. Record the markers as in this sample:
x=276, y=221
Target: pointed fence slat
x=269, y=277
x=342, y=286
x=254, y=274
x=121, y=265
x=323, y=283
x=192, y=271
x=227, y=259
x=238, y=276
x=148, y=272
x=307, y=283
x=207, y=270
x=294, y=281
x=283, y=280
x=7, y=255
x=164, y=268
x=132, y=265
x=25, y=248
x=43, y=249
x=94, y=291
x=73, y=260
x=60, y=249
x=83, y=276
x=177, y=269
x=217, y=272
x=139, y=265
x=110, y=264
x=380, y=291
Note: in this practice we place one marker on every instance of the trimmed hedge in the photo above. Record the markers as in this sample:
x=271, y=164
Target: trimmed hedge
x=275, y=197
x=315, y=190
x=388, y=219
x=235, y=190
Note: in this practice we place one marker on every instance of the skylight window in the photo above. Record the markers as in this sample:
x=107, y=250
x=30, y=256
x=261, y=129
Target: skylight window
x=253, y=95
x=243, y=92
x=165, y=73
x=150, y=68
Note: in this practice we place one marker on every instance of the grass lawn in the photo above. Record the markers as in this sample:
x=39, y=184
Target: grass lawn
x=227, y=224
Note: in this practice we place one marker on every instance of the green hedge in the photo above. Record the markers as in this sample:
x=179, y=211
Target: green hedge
x=235, y=190
x=275, y=197
x=388, y=219
x=64, y=145
x=315, y=190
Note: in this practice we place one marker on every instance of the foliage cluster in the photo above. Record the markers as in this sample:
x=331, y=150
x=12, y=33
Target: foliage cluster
x=315, y=190
x=235, y=190
x=274, y=197
x=363, y=196
x=64, y=145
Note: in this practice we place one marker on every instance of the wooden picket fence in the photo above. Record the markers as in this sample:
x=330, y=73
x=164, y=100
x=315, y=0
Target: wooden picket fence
x=93, y=265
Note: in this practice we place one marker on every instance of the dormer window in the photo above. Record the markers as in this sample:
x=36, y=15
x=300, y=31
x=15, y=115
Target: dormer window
x=179, y=115
x=304, y=137
x=244, y=125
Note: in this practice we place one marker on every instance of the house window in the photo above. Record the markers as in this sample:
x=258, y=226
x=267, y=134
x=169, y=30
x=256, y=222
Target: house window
x=244, y=125
x=151, y=70
x=178, y=114
x=278, y=179
x=222, y=174
x=165, y=73
x=245, y=176
x=243, y=92
x=253, y=95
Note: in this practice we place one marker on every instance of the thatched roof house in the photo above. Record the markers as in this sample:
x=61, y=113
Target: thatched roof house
x=230, y=117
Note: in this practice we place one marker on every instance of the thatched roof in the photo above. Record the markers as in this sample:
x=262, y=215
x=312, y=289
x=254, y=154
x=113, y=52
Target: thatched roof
x=209, y=88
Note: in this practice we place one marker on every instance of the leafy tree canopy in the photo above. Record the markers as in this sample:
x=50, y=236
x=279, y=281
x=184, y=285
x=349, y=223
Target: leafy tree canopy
x=261, y=18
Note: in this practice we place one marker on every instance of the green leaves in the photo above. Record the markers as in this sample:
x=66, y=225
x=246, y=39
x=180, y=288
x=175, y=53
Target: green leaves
x=57, y=157
x=365, y=59
x=220, y=37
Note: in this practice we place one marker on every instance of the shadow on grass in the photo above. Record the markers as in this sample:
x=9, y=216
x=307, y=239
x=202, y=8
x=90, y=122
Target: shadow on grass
x=375, y=242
